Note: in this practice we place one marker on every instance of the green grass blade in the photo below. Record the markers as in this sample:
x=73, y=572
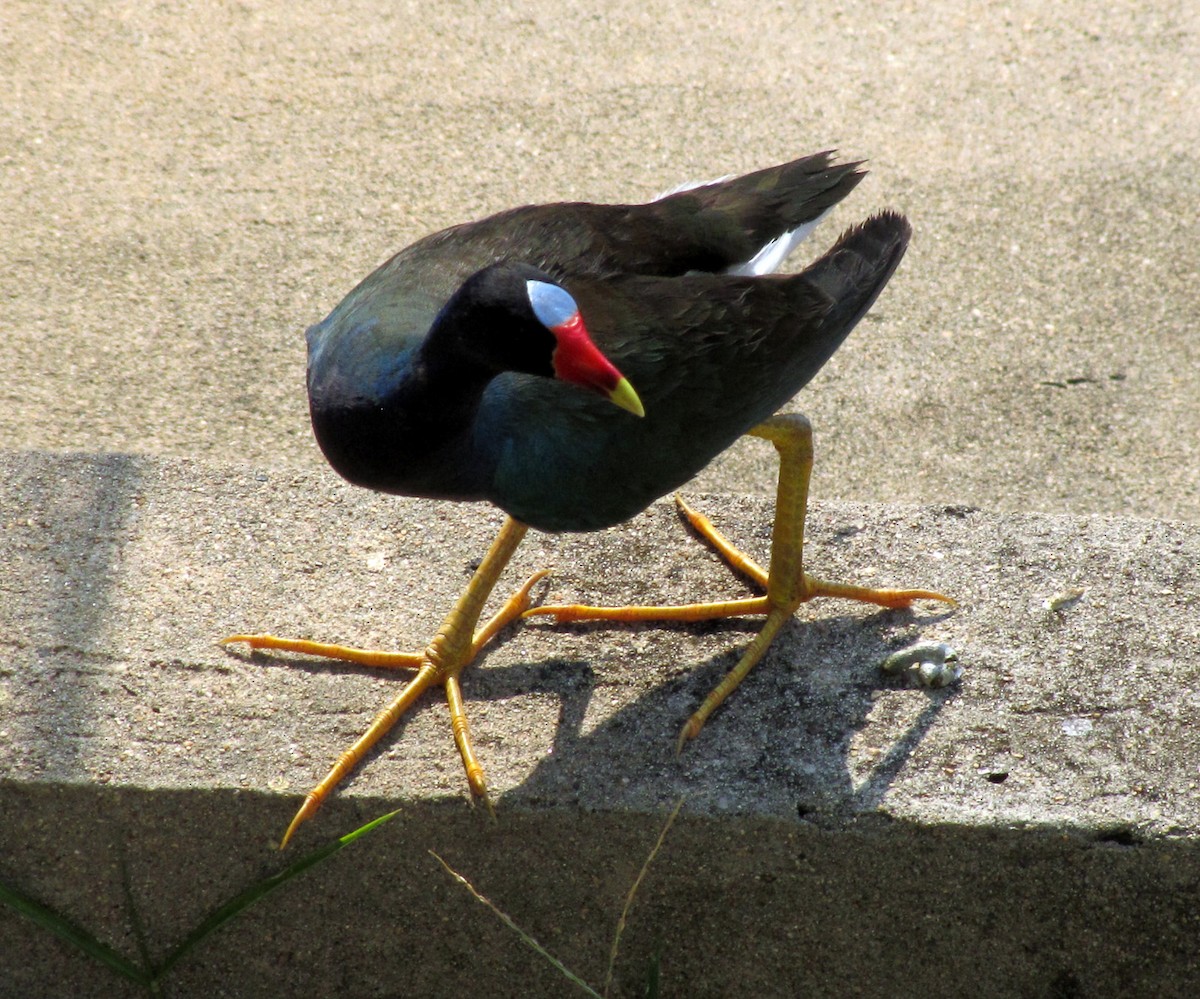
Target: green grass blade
x=259, y=891
x=135, y=919
x=64, y=929
x=654, y=975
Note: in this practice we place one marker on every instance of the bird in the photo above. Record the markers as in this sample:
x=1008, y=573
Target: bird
x=573, y=362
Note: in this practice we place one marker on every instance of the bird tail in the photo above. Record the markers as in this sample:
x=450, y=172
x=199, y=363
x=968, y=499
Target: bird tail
x=748, y=225
x=853, y=273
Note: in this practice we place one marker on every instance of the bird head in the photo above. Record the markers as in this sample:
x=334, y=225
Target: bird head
x=575, y=358
x=514, y=317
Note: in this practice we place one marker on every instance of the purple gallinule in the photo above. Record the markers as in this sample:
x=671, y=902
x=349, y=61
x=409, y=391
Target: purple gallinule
x=484, y=361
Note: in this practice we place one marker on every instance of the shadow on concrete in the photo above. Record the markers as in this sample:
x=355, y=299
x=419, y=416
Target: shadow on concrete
x=79, y=508
x=737, y=906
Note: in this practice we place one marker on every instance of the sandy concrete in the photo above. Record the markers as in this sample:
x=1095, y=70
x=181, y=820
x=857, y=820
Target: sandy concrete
x=870, y=835
x=180, y=195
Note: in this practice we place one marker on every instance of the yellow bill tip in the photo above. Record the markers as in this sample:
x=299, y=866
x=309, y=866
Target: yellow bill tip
x=624, y=396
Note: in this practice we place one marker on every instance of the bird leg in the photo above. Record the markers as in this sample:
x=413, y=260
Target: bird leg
x=453, y=647
x=787, y=585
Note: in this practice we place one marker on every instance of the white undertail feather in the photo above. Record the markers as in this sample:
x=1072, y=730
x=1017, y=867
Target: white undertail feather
x=691, y=185
x=772, y=255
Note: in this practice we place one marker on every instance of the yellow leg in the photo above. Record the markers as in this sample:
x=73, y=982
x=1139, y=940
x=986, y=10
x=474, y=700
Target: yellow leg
x=453, y=647
x=786, y=583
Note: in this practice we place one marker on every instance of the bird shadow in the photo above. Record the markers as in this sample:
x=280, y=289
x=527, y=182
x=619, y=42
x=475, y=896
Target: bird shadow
x=780, y=745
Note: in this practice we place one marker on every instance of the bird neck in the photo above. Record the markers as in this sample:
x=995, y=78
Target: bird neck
x=440, y=392
x=415, y=438
x=481, y=331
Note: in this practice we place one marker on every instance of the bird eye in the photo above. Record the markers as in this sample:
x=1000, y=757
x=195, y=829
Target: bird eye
x=552, y=305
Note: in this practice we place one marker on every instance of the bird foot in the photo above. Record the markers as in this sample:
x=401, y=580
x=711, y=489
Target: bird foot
x=811, y=586
x=733, y=556
x=781, y=601
x=441, y=663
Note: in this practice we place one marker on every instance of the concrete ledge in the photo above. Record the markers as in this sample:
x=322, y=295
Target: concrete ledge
x=1030, y=833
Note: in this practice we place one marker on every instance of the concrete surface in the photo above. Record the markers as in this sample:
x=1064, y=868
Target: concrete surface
x=844, y=833
x=180, y=195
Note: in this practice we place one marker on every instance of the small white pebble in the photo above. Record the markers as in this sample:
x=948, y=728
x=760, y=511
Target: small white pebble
x=1064, y=600
x=1077, y=726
